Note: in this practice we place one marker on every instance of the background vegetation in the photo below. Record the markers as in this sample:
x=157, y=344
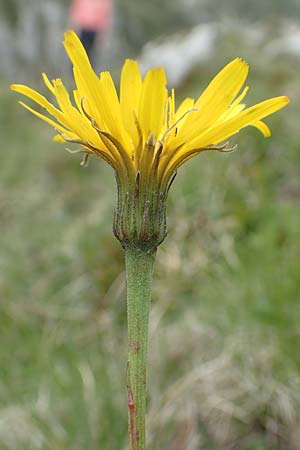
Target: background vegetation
x=224, y=347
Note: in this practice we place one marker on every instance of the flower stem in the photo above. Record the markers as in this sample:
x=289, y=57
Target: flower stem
x=139, y=270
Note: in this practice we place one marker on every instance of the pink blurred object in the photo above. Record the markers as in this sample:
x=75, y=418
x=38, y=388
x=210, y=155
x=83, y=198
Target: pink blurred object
x=92, y=15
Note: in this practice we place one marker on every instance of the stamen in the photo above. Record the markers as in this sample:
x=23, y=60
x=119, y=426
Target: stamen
x=177, y=122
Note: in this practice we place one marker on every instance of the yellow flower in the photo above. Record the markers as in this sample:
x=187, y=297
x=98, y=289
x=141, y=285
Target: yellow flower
x=141, y=133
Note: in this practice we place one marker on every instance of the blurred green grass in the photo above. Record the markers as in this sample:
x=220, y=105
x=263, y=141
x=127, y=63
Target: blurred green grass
x=224, y=359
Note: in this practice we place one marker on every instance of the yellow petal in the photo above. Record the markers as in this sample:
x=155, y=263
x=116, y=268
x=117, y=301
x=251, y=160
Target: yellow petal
x=249, y=116
x=62, y=97
x=83, y=95
x=64, y=119
x=261, y=126
x=111, y=111
x=241, y=97
x=153, y=102
x=225, y=85
x=73, y=118
x=101, y=98
x=231, y=112
x=48, y=83
x=59, y=138
x=130, y=90
x=86, y=80
x=39, y=99
x=185, y=105
x=77, y=100
x=75, y=49
x=185, y=108
x=215, y=100
x=51, y=122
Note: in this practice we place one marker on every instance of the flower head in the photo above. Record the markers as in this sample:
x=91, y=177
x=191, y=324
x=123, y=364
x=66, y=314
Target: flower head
x=141, y=133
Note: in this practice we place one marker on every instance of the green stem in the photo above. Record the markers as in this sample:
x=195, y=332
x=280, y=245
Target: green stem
x=139, y=270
